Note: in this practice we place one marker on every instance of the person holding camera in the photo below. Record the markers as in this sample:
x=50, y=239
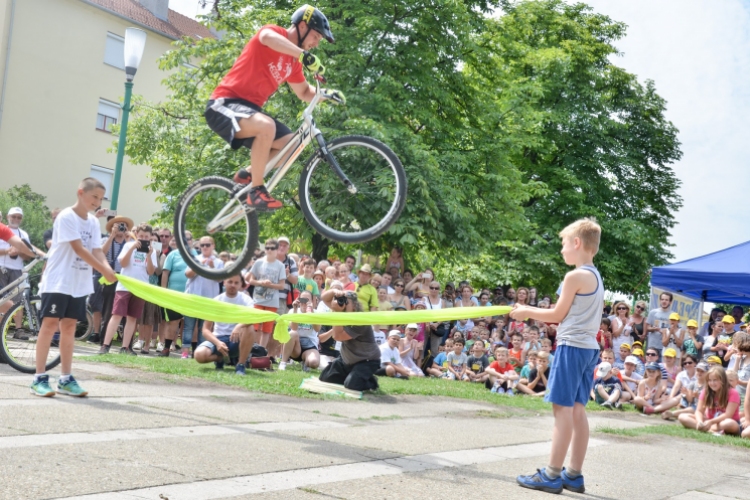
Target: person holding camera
x=103, y=298
x=360, y=355
x=420, y=285
x=138, y=259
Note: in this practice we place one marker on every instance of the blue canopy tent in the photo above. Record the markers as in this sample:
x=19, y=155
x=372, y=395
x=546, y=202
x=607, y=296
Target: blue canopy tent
x=722, y=276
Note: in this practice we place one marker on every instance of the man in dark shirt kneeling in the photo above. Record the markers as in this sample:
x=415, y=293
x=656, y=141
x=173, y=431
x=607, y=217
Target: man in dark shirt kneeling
x=360, y=355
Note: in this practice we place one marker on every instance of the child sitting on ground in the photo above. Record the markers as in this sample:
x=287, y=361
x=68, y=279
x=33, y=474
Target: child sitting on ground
x=531, y=358
x=607, y=387
x=547, y=347
x=718, y=409
x=536, y=385
x=502, y=376
x=411, y=350
x=516, y=354
x=457, y=360
x=390, y=358
x=440, y=363
x=477, y=364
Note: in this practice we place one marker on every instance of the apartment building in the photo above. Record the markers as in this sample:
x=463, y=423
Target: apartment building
x=61, y=85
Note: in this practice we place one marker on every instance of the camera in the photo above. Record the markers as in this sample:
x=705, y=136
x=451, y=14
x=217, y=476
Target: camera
x=303, y=300
x=342, y=300
x=122, y=227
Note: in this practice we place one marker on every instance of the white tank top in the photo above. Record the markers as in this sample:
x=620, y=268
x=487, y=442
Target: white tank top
x=434, y=306
x=582, y=322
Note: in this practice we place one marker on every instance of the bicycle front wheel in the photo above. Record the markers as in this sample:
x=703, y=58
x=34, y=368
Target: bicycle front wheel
x=207, y=208
x=363, y=211
x=19, y=345
x=84, y=328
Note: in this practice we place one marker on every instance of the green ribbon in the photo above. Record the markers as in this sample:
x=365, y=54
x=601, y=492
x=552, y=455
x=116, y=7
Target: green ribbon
x=195, y=306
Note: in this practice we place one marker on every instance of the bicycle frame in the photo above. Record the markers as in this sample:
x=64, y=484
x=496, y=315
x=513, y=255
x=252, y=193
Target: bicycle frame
x=234, y=210
x=21, y=284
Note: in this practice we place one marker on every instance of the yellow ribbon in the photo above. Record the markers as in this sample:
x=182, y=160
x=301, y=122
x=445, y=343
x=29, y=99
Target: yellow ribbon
x=195, y=306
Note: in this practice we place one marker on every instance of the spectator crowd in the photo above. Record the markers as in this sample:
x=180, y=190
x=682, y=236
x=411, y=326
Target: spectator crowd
x=696, y=374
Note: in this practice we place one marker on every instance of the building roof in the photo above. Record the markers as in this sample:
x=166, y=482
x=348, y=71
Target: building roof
x=176, y=27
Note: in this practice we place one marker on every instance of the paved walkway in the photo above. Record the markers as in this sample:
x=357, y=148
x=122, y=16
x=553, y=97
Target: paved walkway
x=146, y=436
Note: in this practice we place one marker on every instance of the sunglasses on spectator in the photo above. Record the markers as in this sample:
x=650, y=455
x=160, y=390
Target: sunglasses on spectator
x=434, y=288
x=686, y=363
x=640, y=307
x=398, y=284
x=205, y=245
x=622, y=308
x=652, y=354
x=271, y=248
x=165, y=236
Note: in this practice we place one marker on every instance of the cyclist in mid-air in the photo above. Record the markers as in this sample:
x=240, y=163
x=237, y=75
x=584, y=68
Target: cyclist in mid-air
x=274, y=55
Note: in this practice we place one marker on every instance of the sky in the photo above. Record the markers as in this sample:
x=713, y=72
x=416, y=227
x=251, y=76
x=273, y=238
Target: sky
x=698, y=54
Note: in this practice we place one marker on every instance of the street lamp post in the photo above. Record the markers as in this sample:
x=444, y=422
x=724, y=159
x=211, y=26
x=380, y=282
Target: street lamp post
x=135, y=41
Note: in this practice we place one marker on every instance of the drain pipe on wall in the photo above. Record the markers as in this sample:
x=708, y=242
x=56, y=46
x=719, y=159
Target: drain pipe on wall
x=7, y=60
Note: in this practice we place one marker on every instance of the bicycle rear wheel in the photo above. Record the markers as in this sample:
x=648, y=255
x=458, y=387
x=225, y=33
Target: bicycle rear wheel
x=204, y=202
x=369, y=209
x=84, y=328
x=19, y=347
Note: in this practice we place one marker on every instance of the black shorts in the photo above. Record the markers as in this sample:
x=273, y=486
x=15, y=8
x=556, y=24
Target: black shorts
x=220, y=116
x=170, y=315
x=61, y=306
x=305, y=344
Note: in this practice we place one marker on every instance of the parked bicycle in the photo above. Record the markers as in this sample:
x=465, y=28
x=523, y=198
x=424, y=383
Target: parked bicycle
x=18, y=345
x=351, y=190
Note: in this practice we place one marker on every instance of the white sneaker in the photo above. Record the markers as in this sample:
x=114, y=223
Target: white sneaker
x=160, y=347
x=282, y=366
x=138, y=345
x=153, y=343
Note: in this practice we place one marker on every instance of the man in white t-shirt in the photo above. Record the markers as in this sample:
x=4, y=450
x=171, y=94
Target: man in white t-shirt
x=228, y=339
x=11, y=262
x=67, y=281
x=138, y=260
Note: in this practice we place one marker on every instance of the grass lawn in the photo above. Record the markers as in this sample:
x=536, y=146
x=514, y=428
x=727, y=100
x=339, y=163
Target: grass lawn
x=287, y=382
x=676, y=430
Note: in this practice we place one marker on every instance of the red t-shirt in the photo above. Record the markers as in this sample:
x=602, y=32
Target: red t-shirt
x=5, y=232
x=505, y=369
x=259, y=71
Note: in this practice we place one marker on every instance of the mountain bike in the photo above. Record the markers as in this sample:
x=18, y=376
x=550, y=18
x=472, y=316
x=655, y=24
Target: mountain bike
x=18, y=346
x=351, y=190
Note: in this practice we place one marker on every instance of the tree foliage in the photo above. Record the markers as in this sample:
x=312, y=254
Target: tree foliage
x=36, y=214
x=509, y=128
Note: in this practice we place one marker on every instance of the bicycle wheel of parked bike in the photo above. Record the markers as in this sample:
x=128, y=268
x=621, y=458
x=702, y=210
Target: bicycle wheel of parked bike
x=84, y=328
x=367, y=208
x=210, y=199
x=19, y=345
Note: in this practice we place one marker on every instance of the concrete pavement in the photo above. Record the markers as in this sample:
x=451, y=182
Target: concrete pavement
x=151, y=436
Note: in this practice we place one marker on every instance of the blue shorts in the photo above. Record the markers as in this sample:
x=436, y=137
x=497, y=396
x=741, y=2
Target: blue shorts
x=572, y=376
x=234, y=347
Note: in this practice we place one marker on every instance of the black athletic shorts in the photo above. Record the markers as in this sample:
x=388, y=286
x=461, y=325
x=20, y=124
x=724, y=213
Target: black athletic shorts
x=221, y=116
x=61, y=306
x=170, y=315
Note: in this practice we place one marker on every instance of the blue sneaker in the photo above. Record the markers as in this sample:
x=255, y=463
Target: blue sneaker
x=239, y=369
x=219, y=364
x=541, y=481
x=574, y=484
x=41, y=387
x=71, y=388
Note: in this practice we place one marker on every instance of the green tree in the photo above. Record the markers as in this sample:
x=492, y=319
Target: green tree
x=36, y=214
x=597, y=139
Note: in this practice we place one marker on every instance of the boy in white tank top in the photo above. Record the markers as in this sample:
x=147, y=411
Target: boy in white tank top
x=579, y=312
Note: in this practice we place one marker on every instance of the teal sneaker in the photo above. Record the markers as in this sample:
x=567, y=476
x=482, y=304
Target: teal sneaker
x=41, y=387
x=71, y=388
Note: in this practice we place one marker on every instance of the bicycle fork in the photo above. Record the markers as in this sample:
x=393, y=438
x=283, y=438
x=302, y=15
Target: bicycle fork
x=328, y=156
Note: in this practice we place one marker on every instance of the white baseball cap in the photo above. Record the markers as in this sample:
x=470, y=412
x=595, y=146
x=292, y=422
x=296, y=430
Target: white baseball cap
x=394, y=333
x=631, y=359
x=412, y=325
x=15, y=211
x=604, y=368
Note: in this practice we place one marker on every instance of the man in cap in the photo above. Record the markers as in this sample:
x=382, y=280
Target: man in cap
x=11, y=258
x=366, y=293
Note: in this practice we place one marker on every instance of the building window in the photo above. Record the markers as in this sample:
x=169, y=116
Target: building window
x=107, y=115
x=103, y=175
x=114, y=51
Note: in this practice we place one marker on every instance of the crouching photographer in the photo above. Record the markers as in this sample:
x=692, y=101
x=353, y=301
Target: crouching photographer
x=360, y=355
